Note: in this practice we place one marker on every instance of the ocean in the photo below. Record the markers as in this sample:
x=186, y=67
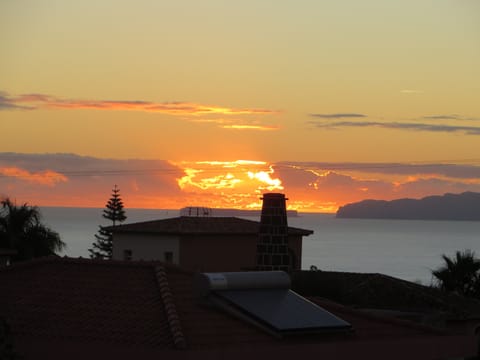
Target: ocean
x=407, y=249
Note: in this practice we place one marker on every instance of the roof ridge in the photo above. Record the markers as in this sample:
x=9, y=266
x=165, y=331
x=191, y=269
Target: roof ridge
x=81, y=260
x=200, y=225
x=170, y=308
x=55, y=259
x=32, y=262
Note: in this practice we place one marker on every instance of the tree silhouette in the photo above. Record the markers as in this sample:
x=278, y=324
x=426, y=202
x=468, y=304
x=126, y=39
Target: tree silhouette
x=102, y=248
x=21, y=230
x=114, y=209
x=459, y=274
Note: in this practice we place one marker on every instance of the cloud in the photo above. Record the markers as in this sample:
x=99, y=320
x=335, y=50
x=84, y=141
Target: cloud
x=264, y=177
x=330, y=187
x=338, y=115
x=449, y=117
x=310, y=186
x=7, y=103
x=237, y=124
x=319, y=185
x=230, y=175
x=250, y=127
x=418, y=187
x=443, y=117
x=46, y=177
x=469, y=130
x=144, y=183
x=44, y=101
x=449, y=170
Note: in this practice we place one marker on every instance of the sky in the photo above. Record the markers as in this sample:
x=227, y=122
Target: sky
x=213, y=103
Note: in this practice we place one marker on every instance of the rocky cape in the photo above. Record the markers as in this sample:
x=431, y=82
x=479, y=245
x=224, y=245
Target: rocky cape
x=465, y=206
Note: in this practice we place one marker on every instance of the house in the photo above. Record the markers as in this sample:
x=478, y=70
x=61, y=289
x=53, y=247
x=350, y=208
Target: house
x=64, y=308
x=199, y=243
x=206, y=243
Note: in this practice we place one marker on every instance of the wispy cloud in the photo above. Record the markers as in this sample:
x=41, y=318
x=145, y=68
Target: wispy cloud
x=338, y=115
x=46, y=177
x=449, y=169
x=469, y=130
x=236, y=124
x=449, y=117
x=42, y=101
x=443, y=117
x=250, y=127
x=7, y=103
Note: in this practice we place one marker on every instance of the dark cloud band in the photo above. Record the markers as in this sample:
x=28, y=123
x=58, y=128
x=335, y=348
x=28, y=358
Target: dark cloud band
x=451, y=170
x=469, y=130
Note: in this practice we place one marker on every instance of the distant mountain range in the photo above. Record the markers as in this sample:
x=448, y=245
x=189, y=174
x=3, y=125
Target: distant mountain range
x=465, y=206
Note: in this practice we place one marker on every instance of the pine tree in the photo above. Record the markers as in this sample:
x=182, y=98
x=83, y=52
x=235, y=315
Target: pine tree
x=102, y=248
x=114, y=208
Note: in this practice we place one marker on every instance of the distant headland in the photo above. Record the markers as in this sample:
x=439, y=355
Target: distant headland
x=464, y=206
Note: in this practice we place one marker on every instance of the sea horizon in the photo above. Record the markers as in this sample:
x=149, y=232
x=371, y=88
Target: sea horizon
x=406, y=249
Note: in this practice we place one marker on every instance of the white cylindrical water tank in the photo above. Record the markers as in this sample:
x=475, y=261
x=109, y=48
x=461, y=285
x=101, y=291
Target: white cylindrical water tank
x=206, y=282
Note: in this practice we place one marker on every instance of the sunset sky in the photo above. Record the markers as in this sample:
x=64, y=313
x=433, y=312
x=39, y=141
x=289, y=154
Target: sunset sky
x=212, y=103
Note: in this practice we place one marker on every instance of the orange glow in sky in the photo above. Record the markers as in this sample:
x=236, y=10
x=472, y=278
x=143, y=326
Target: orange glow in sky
x=45, y=177
x=54, y=180
x=264, y=177
x=250, y=127
x=237, y=176
x=33, y=101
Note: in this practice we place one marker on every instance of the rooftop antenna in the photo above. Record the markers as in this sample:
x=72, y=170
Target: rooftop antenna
x=196, y=211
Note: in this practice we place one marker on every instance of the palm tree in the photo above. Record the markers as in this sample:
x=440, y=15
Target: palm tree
x=21, y=229
x=459, y=274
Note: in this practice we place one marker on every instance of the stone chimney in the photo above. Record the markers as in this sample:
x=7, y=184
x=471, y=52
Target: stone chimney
x=272, y=245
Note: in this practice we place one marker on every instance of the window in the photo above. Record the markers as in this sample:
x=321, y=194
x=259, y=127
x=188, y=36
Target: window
x=168, y=256
x=127, y=255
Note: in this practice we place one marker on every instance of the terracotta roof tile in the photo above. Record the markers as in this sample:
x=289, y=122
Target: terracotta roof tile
x=170, y=308
x=147, y=309
x=84, y=300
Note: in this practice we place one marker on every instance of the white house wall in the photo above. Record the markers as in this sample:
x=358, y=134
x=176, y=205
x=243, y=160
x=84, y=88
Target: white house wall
x=145, y=246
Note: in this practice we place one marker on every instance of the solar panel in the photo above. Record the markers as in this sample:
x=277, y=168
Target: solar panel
x=282, y=311
x=273, y=306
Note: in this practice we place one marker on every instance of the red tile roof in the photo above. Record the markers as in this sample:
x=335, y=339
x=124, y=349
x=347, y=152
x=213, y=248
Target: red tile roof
x=201, y=225
x=73, y=308
x=85, y=300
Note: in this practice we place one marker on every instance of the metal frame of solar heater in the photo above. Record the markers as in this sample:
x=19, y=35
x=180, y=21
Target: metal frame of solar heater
x=264, y=299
